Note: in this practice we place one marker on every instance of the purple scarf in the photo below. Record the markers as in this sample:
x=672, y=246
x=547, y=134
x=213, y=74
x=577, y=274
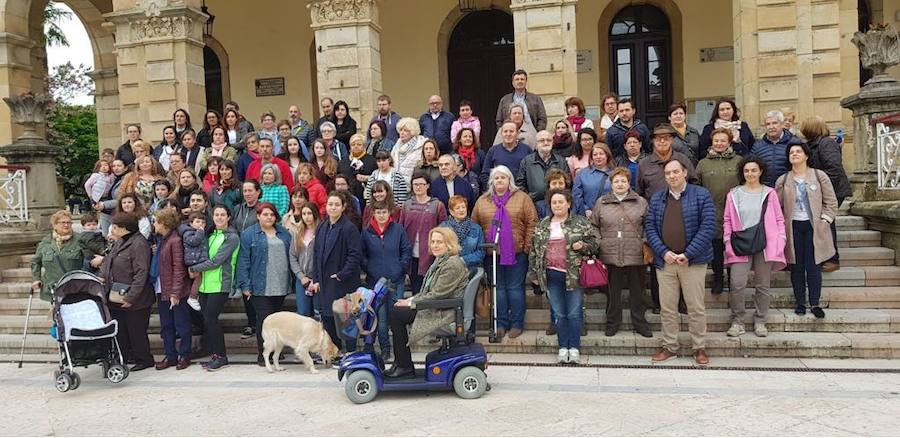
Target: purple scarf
x=501, y=216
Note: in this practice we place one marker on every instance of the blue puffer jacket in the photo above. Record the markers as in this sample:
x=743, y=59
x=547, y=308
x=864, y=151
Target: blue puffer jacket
x=385, y=257
x=774, y=155
x=699, y=225
x=253, y=258
x=438, y=129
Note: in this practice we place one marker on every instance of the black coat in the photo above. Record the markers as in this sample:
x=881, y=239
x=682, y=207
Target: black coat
x=346, y=167
x=338, y=251
x=346, y=130
x=826, y=156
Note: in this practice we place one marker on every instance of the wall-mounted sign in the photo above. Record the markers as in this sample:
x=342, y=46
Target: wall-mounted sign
x=584, y=60
x=270, y=87
x=713, y=54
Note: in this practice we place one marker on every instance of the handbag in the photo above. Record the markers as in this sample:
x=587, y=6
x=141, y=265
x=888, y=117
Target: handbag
x=593, y=273
x=118, y=291
x=483, y=300
x=751, y=240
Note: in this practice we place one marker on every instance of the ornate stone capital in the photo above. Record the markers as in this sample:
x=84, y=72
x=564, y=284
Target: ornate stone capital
x=879, y=49
x=154, y=19
x=30, y=111
x=161, y=27
x=333, y=13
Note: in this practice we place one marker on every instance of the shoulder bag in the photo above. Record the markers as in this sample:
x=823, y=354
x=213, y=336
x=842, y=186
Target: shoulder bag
x=751, y=240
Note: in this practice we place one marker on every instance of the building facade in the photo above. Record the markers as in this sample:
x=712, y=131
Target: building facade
x=153, y=56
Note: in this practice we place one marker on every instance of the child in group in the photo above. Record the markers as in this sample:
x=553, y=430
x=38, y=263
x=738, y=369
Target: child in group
x=196, y=251
x=92, y=238
x=99, y=183
x=162, y=188
x=108, y=154
x=465, y=120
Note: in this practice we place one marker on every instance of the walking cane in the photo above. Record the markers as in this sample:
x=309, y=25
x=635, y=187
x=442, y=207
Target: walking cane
x=25, y=331
x=493, y=338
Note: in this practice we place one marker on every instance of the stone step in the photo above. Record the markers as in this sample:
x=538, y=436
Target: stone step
x=777, y=344
x=16, y=275
x=858, y=238
x=24, y=261
x=40, y=323
x=867, y=256
x=848, y=223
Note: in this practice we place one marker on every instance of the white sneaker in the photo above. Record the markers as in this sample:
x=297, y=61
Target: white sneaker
x=563, y=355
x=736, y=330
x=574, y=355
x=194, y=303
x=760, y=329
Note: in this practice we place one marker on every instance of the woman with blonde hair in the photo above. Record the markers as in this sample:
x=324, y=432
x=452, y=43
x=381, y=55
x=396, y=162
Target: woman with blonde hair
x=141, y=180
x=407, y=151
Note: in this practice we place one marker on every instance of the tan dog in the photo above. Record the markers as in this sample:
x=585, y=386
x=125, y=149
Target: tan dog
x=304, y=335
x=348, y=305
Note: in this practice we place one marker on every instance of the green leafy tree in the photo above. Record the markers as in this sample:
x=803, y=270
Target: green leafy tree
x=53, y=17
x=74, y=129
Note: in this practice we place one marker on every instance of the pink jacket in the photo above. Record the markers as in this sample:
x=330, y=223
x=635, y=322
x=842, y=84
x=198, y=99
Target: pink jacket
x=773, y=222
x=473, y=123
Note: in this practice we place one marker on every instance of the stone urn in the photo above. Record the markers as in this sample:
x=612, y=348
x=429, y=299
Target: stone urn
x=879, y=49
x=30, y=111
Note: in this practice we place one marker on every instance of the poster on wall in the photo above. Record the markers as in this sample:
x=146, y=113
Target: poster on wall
x=269, y=87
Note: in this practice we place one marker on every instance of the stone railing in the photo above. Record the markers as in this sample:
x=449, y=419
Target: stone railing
x=13, y=195
x=887, y=133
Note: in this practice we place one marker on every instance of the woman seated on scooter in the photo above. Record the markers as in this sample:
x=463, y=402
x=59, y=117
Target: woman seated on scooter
x=446, y=278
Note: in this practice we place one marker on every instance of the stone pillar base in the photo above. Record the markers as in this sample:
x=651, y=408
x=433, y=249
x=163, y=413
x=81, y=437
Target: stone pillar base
x=44, y=193
x=883, y=216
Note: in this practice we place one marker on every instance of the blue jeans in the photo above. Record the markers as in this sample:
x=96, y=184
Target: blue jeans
x=175, y=320
x=384, y=313
x=805, y=272
x=566, y=306
x=511, y=292
x=304, y=302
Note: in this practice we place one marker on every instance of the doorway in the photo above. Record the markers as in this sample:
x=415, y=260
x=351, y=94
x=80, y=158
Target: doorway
x=640, y=43
x=213, y=70
x=480, y=61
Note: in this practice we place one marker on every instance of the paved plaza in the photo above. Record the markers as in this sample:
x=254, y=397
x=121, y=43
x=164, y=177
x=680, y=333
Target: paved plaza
x=603, y=399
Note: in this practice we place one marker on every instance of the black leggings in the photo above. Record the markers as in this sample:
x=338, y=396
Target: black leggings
x=400, y=317
x=264, y=306
x=211, y=305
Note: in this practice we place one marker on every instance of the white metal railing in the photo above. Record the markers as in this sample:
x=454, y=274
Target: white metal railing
x=13, y=195
x=887, y=137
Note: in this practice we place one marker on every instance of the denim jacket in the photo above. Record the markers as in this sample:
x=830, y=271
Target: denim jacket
x=253, y=258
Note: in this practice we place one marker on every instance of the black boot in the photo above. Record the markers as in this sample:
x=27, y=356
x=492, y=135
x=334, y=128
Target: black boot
x=718, y=285
x=398, y=372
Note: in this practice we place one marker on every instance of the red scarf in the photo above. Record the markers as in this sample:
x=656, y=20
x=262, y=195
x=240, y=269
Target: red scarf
x=468, y=155
x=576, y=122
x=379, y=231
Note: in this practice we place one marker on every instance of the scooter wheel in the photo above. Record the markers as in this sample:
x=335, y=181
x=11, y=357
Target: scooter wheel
x=116, y=373
x=470, y=382
x=361, y=387
x=63, y=383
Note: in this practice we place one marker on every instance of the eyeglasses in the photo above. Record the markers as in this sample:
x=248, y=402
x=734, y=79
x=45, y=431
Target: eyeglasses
x=64, y=223
x=419, y=184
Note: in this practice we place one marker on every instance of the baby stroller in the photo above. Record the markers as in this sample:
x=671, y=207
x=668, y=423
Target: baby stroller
x=85, y=330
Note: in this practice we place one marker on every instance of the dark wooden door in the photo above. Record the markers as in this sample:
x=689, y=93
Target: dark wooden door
x=480, y=62
x=213, y=69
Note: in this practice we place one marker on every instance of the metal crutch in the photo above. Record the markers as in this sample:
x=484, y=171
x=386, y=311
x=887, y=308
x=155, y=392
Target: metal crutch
x=25, y=331
x=492, y=337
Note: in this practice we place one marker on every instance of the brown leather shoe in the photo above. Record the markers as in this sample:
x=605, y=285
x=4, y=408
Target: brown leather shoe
x=163, y=364
x=663, y=355
x=830, y=266
x=551, y=330
x=182, y=364
x=701, y=358
x=515, y=333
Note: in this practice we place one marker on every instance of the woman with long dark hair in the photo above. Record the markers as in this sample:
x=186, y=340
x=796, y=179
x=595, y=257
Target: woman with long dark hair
x=210, y=120
x=726, y=115
x=343, y=122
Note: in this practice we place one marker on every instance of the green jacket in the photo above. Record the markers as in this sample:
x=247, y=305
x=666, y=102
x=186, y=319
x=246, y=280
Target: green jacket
x=576, y=229
x=718, y=174
x=217, y=273
x=50, y=261
x=447, y=278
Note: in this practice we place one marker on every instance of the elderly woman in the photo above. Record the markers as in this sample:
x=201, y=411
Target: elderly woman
x=808, y=199
x=507, y=216
x=559, y=243
x=58, y=253
x=407, y=151
x=273, y=190
x=744, y=209
x=633, y=154
x=358, y=167
x=471, y=238
x=687, y=139
x=172, y=287
x=446, y=278
x=128, y=264
x=376, y=138
x=265, y=247
x=726, y=115
x=420, y=214
x=825, y=155
x=718, y=174
x=619, y=220
x=593, y=181
x=337, y=148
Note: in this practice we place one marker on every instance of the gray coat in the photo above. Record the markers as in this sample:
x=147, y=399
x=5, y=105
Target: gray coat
x=536, y=111
x=688, y=145
x=450, y=279
x=533, y=169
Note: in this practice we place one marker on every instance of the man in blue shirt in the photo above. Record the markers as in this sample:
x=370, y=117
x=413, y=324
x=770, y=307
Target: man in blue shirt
x=508, y=153
x=436, y=124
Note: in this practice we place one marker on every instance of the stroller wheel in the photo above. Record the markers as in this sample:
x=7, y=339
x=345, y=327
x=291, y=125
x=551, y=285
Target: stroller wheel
x=76, y=381
x=116, y=373
x=63, y=383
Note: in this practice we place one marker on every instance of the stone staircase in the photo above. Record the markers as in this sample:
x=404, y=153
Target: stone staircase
x=862, y=321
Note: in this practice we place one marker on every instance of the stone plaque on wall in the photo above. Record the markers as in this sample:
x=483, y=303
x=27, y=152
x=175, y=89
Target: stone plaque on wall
x=713, y=54
x=584, y=60
x=270, y=87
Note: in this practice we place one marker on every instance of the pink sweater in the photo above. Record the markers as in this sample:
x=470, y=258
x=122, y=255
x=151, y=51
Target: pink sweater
x=473, y=123
x=773, y=222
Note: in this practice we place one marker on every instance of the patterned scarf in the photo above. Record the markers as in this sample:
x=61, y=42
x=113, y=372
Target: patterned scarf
x=507, y=245
x=460, y=227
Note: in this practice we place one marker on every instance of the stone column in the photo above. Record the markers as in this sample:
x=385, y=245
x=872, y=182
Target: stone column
x=106, y=104
x=159, y=57
x=348, y=53
x=546, y=49
x=15, y=77
x=794, y=53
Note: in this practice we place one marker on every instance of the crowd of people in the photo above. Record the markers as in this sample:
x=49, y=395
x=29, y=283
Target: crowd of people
x=317, y=209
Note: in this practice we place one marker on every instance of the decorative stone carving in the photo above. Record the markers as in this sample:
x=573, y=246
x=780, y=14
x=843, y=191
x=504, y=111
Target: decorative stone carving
x=152, y=8
x=336, y=11
x=30, y=111
x=161, y=27
x=879, y=49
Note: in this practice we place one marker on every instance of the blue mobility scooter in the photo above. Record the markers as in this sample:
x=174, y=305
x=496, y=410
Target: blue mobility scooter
x=458, y=364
